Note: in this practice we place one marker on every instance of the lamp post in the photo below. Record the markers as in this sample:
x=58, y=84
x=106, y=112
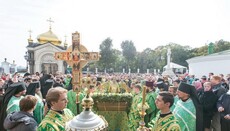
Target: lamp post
x=26, y=58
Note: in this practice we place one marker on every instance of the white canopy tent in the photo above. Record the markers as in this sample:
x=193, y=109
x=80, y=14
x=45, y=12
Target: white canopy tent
x=176, y=67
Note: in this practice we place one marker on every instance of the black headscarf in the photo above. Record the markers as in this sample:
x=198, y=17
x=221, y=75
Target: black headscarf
x=32, y=88
x=191, y=90
x=10, y=91
x=48, y=84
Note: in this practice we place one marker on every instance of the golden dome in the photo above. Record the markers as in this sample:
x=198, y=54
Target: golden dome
x=48, y=37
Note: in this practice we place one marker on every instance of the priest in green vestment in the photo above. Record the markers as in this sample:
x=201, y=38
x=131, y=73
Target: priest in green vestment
x=13, y=104
x=58, y=114
x=72, y=98
x=165, y=121
x=34, y=89
x=188, y=110
x=150, y=99
x=39, y=110
x=14, y=93
x=134, y=116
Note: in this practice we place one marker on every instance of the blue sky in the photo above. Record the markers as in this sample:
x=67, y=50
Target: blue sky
x=148, y=23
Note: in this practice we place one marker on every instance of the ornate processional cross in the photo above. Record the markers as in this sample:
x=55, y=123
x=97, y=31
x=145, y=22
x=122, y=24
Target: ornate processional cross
x=77, y=57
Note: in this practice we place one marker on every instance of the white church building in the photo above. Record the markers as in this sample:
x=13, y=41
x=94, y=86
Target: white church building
x=41, y=53
x=218, y=63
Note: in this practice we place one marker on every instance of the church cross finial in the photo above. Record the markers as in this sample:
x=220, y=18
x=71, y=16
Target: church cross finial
x=50, y=21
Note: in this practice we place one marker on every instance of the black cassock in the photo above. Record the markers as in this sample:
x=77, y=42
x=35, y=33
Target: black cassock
x=224, y=101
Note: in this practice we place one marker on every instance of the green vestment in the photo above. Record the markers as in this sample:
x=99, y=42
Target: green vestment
x=71, y=96
x=185, y=112
x=166, y=123
x=176, y=98
x=152, y=110
x=13, y=104
x=39, y=110
x=134, y=116
x=55, y=121
x=67, y=82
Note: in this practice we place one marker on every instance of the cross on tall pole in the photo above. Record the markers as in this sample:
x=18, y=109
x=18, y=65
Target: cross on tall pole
x=77, y=57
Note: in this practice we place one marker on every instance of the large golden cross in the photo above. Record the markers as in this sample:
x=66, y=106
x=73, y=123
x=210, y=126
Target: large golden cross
x=77, y=56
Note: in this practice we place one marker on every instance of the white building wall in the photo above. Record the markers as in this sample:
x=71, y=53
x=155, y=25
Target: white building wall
x=47, y=51
x=204, y=68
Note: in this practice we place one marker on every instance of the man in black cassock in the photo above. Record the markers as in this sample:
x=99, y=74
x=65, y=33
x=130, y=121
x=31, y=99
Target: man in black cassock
x=47, y=85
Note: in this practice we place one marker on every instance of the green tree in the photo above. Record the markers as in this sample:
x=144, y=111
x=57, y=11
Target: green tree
x=129, y=53
x=221, y=45
x=107, y=54
x=146, y=60
x=180, y=54
x=116, y=64
x=201, y=51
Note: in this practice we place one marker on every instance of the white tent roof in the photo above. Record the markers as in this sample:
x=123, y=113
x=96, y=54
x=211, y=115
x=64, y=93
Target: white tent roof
x=174, y=65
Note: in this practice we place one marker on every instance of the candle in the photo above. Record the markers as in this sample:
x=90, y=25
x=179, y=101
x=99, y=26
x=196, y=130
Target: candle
x=77, y=98
x=143, y=95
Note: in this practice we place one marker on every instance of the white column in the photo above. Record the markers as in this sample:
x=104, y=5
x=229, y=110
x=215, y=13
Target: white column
x=168, y=58
x=123, y=70
x=96, y=70
x=155, y=71
x=129, y=70
x=138, y=70
x=147, y=71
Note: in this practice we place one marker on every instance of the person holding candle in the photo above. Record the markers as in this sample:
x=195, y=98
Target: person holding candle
x=134, y=116
x=74, y=97
x=150, y=99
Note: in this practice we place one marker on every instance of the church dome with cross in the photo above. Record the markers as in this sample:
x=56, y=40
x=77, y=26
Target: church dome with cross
x=41, y=53
x=48, y=36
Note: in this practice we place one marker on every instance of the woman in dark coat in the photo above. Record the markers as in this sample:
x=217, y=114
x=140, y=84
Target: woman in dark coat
x=208, y=99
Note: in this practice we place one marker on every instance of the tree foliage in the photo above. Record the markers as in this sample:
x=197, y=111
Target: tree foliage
x=107, y=54
x=128, y=51
x=116, y=60
x=221, y=45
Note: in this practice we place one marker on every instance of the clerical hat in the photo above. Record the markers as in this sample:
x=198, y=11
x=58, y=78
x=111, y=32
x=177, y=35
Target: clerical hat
x=99, y=78
x=19, y=86
x=186, y=88
x=149, y=83
x=160, y=81
x=27, y=74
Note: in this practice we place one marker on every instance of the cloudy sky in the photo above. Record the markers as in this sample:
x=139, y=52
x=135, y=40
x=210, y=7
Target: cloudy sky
x=148, y=23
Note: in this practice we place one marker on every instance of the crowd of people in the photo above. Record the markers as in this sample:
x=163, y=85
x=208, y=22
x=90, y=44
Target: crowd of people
x=47, y=101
